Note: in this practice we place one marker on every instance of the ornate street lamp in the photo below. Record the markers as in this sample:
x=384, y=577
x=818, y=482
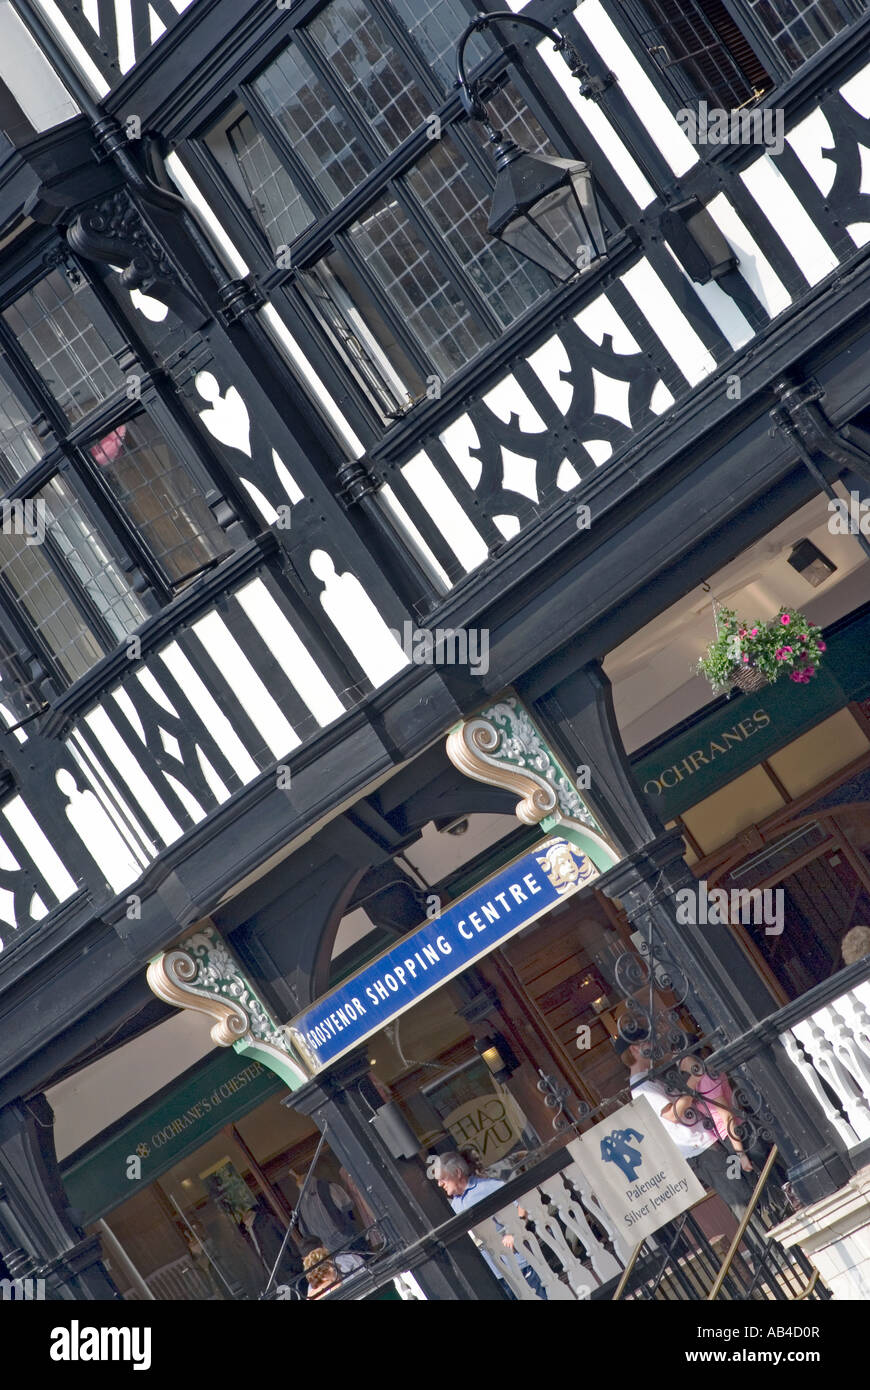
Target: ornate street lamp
x=545, y=208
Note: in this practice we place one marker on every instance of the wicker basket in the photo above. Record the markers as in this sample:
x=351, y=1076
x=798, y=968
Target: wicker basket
x=748, y=678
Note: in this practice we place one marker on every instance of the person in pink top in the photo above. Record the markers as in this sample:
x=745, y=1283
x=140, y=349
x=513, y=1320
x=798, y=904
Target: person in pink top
x=710, y=1089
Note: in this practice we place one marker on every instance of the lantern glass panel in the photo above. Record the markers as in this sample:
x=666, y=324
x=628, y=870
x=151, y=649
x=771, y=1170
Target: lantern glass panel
x=554, y=234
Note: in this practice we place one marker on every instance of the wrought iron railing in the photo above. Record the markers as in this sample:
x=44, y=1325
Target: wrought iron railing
x=565, y=1248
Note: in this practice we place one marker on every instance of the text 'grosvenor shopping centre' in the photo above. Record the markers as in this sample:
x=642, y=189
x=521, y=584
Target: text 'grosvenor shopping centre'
x=418, y=963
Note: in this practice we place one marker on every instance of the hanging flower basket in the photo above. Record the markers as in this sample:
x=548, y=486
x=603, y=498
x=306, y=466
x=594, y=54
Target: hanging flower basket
x=749, y=679
x=752, y=655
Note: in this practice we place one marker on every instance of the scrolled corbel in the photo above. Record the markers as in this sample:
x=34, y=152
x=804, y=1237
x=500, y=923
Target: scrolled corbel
x=472, y=746
x=170, y=976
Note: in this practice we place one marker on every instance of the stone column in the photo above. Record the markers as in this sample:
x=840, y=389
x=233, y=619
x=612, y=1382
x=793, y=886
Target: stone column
x=406, y=1203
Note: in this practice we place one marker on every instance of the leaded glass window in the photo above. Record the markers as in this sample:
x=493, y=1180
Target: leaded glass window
x=373, y=203
x=159, y=496
x=281, y=209
x=431, y=304
x=376, y=77
x=68, y=584
x=318, y=128
x=800, y=28
x=57, y=326
x=436, y=26
x=455, y=195
x=85, y=505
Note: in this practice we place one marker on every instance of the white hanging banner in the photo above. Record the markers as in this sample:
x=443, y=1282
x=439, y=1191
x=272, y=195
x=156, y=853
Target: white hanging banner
x=636, y=1171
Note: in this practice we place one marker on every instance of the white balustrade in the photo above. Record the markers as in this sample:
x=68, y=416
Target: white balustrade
x=831, y=1050
x=560, y=1220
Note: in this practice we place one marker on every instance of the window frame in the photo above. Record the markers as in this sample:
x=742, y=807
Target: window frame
x=675, y=89
x=66, y=457
x=331, y=225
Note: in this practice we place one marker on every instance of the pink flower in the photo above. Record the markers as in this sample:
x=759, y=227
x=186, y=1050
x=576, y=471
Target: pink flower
x=782, y=652
x=742, y=632
x=822, y=646
x=785, y=619
x=754, y=632
x=803, y=636
x=745, y=657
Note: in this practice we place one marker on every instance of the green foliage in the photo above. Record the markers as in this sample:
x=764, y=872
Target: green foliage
x=787, y=644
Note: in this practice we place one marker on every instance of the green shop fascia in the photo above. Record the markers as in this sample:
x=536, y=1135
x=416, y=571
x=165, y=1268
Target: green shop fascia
x=174, y=1123
x=741, y=730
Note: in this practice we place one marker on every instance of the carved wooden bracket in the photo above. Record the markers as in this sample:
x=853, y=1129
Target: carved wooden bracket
x=503, y=747
x=171, y=978
x=203, y=974
x=470, y=748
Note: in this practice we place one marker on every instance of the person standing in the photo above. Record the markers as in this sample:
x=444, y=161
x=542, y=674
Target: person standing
x=463, y=1187
x=326, y=1210
x=701, y=1146
x=271, y=1243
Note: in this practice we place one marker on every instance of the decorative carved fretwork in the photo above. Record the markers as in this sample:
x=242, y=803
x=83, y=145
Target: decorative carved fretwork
x=113, y=230
x=848, y=198
x=203, y=974
x=117, y=36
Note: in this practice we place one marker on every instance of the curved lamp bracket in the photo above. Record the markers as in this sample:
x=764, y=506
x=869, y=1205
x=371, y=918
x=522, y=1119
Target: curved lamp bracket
x=468, y=93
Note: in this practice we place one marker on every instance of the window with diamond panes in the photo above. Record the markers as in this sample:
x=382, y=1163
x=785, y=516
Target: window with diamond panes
x=411, y=288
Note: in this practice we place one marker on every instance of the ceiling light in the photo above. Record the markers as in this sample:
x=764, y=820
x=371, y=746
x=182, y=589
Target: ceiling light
x=809, y=561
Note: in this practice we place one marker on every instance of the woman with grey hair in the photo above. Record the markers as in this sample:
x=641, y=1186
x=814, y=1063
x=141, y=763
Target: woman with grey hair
x=462, y=1181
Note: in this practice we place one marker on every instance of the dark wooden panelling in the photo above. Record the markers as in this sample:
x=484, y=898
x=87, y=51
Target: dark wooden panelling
x=551, y=961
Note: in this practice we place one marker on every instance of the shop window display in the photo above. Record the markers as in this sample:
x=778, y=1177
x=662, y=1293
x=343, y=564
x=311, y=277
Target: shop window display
x=211, y=1229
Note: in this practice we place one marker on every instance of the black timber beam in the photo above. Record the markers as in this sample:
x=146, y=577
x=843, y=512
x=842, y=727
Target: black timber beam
x=563, y=600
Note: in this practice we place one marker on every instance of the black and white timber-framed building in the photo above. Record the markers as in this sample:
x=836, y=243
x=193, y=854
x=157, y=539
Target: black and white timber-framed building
x=278, y=407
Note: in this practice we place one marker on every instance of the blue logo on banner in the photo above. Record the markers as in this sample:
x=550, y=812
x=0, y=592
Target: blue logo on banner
x=440, y=949
x=615, y=1148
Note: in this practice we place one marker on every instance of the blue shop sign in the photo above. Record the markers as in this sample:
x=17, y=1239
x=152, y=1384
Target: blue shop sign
x=443, y=947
